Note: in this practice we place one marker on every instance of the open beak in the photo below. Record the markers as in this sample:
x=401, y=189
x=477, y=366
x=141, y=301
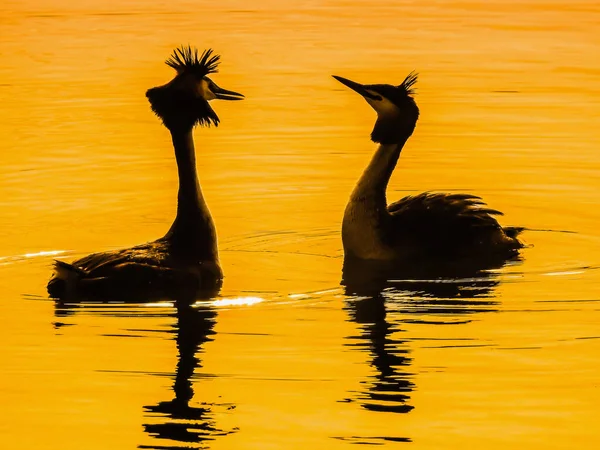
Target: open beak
x=357, y=87
x=224, y=94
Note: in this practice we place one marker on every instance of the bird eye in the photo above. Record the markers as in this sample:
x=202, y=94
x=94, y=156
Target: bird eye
x=373, y=95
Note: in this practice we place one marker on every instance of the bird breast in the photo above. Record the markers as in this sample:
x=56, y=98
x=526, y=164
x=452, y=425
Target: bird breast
x=363, y=231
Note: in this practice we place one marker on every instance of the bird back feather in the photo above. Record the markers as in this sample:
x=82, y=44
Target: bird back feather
x=65, y=279
x=449, y=223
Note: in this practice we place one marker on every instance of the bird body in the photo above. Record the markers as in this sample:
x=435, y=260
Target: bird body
x=426, y=226
x=186, y=259
x=150, y=270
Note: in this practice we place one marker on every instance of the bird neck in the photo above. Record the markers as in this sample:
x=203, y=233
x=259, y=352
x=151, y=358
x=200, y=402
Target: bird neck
x=365, y=217
x=193, y=230
x=374, y=180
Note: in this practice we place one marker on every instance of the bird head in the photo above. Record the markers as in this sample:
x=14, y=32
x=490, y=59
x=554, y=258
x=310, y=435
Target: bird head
x=183, y=102
x=397, y=112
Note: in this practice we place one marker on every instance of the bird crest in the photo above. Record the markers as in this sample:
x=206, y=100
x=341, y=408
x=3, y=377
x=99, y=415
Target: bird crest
x=186, y=59
x=408, y=83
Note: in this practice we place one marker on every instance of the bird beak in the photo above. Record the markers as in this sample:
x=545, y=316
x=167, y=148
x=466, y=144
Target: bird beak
x=224, y=94
x=357, y=87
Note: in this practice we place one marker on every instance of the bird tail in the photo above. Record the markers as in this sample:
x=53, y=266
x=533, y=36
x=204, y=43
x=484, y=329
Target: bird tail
x=64, y=280
x=513, y=232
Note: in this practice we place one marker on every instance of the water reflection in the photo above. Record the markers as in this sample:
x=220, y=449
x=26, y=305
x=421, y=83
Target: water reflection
x=376, y=293
x=180, y=422
x=183, y=422
x=389, y=388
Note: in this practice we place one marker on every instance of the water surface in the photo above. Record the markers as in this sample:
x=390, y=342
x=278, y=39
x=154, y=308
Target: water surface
x=285, y=357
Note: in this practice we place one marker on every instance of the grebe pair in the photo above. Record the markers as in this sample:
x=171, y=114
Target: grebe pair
x=444, y=227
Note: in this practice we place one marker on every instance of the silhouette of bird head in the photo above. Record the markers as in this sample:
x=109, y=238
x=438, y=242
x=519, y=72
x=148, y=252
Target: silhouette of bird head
x=397, y=112
x=183, y=102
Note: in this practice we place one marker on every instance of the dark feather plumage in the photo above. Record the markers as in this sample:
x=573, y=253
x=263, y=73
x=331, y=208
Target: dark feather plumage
x=400, y=95
x=173, y=106
x=408, y=83
x=449, y=224
x=185, y=59
x=391, y=129
x=139, y=273
x=179, y=107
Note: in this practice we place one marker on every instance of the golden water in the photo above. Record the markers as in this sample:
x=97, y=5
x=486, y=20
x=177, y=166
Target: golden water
x=510, y=106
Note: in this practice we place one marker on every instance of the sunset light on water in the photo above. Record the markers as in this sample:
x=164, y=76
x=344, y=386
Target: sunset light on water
x=285, y=354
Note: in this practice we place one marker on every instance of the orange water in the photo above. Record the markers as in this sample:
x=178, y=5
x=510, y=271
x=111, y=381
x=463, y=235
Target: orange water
x=510, y=107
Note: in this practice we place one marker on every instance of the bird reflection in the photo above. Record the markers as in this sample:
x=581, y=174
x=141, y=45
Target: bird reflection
x=375, y=291
x=389, y=389
x=180, y=423
x=185, y=423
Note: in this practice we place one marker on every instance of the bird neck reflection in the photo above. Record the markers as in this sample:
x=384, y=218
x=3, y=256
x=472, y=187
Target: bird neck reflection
x=417, y=295
x=180, y=419
x=186, y=423
x=389, y=392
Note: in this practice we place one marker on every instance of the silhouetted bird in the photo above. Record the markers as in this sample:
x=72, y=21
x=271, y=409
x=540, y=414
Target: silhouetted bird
x=428, y=226
x=186, y=257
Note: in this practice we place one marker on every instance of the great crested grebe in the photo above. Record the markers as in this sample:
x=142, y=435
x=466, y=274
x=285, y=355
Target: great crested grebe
x=186, y=258
x=424, y=227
